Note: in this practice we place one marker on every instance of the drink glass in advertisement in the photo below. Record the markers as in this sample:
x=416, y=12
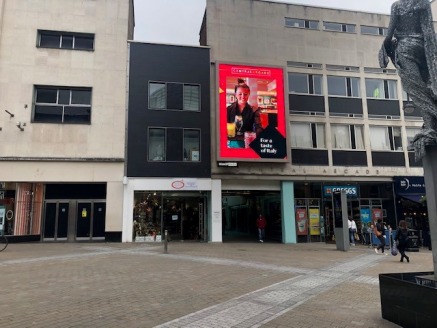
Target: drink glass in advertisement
x=248, y=138
x=264, y=117
x=231, y=130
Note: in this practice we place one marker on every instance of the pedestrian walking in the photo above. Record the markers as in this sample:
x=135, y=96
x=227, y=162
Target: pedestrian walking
x=379, y=231
x=352, y=230
x=261, y=225
x=402, y=239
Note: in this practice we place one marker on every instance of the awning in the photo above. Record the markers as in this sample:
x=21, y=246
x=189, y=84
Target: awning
x=414, y=198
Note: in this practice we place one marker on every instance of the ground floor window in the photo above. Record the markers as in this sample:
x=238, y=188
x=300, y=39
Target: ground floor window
x=182, y=215
x=21, y=208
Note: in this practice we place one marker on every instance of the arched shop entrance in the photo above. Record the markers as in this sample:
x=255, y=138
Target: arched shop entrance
x=239, y=213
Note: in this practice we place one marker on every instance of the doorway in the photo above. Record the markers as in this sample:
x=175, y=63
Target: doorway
x=183, y=217
x=74, y=220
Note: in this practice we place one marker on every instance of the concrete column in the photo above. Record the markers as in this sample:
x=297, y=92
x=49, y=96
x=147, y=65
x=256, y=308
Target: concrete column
x=128, y=205
x=215, y=216
x=430, y=173
x=288, y=213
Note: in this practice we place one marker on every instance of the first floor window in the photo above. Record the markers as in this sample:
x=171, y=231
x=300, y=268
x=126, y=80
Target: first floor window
x=62, y=105
x=156, y=144
x=191, y=145
x=411, y=133
x=385, y=138
x=347, y=136
x=307, y=135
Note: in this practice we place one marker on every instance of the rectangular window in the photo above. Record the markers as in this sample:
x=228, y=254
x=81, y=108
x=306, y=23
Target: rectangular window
x=347, y=136
x=156, y=144
x=174, y=96
x=191, y=145
x=344, y=86
x=65, y=40
x=381, y=89
x=159, y=147
x=307, y=135
x=339, y=27
x=411, y=133
x=373, y=30
x=62, y=105
x=302, y=23
x=191, y=98
x=305, y=83
x=385, y=138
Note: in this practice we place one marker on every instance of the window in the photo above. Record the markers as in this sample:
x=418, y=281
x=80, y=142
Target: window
x=344, y=86
x=191, y=98
x=411, y=133
x=157, y=95
x=305, y=83
x=191, y=145
x=339, y=27
x=62, y=105
x=156, y=144
x=174, y=96
x=184, y=148
x=385, y=138
x=302, y=23
x=307, y=135
x=347, y=136
x=373, y=30
x=381, y=89
x=65, y=40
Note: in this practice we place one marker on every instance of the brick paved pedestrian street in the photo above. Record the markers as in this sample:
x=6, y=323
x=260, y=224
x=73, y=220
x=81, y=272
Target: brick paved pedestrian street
x=195, y=285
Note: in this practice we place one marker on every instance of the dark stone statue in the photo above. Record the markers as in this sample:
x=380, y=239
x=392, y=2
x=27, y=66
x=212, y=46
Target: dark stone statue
x=412, y=47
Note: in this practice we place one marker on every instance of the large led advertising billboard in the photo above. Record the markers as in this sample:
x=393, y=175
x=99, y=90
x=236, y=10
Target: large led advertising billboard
x=251, y=113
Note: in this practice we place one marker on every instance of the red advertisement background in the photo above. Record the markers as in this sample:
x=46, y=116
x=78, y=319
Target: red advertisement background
x=244, y=71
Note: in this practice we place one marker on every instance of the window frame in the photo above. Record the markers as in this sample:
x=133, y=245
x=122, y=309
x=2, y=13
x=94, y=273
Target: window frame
x=342, y=27
x=165, y=86
x=302, y=23
x=163, y=158
x=61, y=35
x=350, y=83
x=311, y=80
x=59, y=102
x=314, y=135
x=352, y=136
x=381, y=31
x=164, y=145
x=388, y=85
x=190, y=158
x=394, y=141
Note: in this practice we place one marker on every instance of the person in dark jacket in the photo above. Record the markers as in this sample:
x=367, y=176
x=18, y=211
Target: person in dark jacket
x=379, y=231
x=402, y=240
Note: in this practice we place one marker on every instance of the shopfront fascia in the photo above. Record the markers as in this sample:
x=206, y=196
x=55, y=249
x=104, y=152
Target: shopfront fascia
x=186, y=207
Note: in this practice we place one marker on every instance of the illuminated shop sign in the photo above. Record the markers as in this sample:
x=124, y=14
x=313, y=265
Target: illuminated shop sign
x=251, y=113
x=351, y=191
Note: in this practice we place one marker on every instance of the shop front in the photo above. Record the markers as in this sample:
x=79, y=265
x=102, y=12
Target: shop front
x=366, y=202
x=182, y=207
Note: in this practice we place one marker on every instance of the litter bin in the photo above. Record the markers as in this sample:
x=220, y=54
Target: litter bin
x=413, y=241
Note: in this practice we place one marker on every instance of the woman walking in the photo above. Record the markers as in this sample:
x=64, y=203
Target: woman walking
x=402, y=239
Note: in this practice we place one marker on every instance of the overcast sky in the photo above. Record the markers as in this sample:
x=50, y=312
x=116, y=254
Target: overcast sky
x=179, y=21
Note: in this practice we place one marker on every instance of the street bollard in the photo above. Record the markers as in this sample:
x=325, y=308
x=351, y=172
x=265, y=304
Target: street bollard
x=165, y=242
